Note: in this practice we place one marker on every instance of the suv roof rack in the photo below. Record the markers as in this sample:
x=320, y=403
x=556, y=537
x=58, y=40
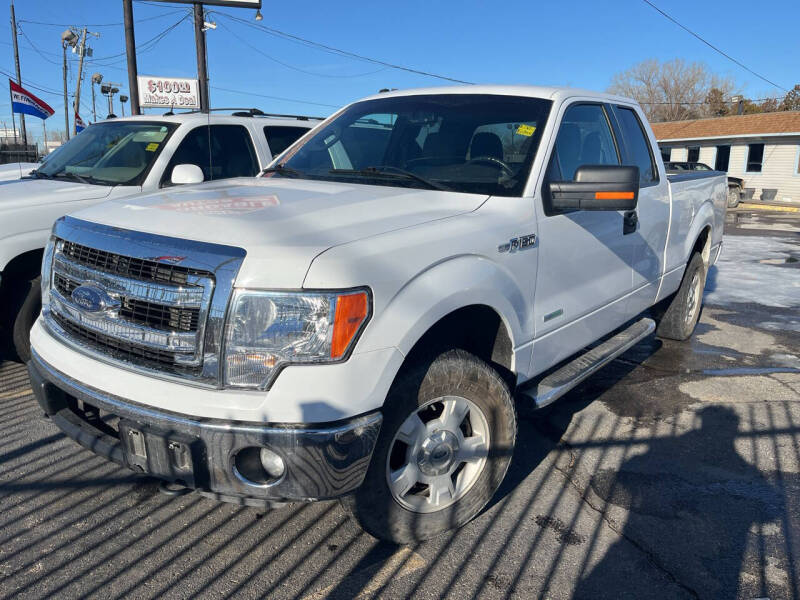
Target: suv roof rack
x=252, y=112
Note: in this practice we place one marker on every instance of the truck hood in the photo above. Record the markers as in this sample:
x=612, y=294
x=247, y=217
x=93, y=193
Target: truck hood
x=28, y=192
x=281, y=223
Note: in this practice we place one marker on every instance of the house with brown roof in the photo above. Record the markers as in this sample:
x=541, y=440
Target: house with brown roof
x=763, y=149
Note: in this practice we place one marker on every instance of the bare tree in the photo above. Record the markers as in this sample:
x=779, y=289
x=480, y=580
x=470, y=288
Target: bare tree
x=674, y=90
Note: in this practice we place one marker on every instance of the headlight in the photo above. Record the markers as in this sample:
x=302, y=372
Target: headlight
x=47, y=267
x=267, y=330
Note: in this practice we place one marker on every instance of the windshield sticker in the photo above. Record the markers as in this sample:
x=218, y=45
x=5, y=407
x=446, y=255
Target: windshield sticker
x=151, y=147
x=526, y=130
x=221, y=206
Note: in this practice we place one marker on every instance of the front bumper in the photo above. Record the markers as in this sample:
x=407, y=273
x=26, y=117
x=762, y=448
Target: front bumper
x=321, y=462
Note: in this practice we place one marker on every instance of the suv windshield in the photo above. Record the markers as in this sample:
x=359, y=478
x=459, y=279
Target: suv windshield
x=474, y=143
x=110, y=153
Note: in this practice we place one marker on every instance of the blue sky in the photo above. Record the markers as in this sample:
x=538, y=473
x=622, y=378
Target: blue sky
x=570, y=42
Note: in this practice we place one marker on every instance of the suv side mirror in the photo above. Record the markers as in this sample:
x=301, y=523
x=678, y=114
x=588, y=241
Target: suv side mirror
x=597, y=187
x=186, y=173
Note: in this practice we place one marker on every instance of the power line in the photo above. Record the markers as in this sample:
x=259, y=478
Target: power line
x=145, y=46
x=294, y=68
x=332, y=50
x=248, y=93
x=713, y=47
x=138, y=20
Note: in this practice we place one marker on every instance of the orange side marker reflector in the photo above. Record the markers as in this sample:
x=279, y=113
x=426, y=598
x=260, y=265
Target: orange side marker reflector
x=351, y=310
x=613, y=195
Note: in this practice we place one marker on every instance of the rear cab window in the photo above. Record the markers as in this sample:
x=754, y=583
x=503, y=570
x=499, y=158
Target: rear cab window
x=636, y=147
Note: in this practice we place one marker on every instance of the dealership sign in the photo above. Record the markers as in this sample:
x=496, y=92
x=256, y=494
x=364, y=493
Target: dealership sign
x=168, y=92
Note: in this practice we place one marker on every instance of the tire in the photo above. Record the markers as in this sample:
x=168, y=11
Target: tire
x=437, y=391
x=25, y=311
x=734, y=194
x=677, y=316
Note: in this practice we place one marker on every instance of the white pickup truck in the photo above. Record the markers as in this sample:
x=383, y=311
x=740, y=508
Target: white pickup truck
x=119, y=158
x=359, y=322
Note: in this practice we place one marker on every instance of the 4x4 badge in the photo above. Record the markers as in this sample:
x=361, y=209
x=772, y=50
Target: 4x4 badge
x=518, y=243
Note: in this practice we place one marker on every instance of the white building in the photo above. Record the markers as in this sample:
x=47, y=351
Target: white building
x=763, y=149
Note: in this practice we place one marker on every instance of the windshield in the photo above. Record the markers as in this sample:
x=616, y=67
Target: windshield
x=473, y=143
x=110, y=153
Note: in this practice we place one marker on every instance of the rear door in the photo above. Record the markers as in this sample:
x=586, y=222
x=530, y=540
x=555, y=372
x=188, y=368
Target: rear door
x=584, y=271
x=280, y=137
x=649, y=239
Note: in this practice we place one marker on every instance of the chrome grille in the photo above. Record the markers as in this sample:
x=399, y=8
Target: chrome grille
x=155, y=316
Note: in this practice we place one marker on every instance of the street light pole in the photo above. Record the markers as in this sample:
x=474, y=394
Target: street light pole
x=98, y=79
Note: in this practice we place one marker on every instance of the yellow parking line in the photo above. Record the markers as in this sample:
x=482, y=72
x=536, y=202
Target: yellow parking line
x=15, y=393
x=769, y=207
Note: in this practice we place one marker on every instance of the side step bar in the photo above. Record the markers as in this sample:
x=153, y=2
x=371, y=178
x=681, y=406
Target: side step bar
x=550, y=388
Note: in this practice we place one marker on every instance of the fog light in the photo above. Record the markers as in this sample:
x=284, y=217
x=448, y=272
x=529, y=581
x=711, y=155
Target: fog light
x=272, y=463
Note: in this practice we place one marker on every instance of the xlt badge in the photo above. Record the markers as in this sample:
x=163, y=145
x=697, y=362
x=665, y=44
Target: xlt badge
x=518, y=243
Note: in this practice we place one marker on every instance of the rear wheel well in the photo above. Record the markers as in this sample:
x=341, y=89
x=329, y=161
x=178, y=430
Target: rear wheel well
x=702, y=245
x=479, y=330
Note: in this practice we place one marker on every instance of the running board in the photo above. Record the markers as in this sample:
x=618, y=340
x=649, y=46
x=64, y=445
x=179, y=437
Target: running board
x=550, y=388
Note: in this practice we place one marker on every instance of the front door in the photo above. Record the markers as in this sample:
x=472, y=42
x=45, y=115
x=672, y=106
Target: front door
x=584, y=271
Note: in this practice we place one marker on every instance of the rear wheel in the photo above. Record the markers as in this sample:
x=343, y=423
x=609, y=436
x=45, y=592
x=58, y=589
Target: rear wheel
x=446, y=442
x=678, y=315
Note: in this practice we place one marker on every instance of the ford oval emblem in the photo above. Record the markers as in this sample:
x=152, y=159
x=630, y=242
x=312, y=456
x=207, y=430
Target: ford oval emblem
x=91, y=298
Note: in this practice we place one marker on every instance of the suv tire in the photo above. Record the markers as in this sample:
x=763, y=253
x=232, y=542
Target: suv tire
x=466, y=404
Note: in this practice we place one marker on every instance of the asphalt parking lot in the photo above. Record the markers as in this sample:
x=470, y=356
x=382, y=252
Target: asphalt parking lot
x=673, y=473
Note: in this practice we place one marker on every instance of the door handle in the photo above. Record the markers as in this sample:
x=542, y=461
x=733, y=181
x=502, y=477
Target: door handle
x=629, y=222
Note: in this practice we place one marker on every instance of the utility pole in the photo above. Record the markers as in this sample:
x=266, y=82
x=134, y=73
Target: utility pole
x=200, y=43
x=66, y=102
x=77, y=102
x=130, y=50
x=19, y=77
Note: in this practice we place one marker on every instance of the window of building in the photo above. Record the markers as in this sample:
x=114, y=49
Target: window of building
x=637, y=147
x=693, y=154
x=666, y=153
x=755, y=157
x=723, y=158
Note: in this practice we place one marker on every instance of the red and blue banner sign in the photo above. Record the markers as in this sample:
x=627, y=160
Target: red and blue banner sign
x=22, y=101
x=79, y=124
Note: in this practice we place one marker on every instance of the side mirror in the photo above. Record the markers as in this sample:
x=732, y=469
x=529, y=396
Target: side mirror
x=597, y=187
x=183, y=174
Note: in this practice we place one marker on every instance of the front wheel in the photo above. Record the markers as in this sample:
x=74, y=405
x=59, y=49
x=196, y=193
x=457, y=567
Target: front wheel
x=446, y=442
x=25, y=311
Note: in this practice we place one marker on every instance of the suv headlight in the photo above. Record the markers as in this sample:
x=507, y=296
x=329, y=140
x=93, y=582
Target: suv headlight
x=47, y=267
x=268, y=330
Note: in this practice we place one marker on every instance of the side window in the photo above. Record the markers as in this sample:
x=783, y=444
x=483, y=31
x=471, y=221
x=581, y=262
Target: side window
x=227, y=153
x=280, y=138
x=584, y=138
x=636, y=145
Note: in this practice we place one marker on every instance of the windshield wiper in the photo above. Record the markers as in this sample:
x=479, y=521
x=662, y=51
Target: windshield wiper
x=88, y=179
x=390, y=171
x=283, y=170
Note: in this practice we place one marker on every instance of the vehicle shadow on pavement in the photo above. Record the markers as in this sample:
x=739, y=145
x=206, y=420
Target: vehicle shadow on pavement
x=697, y=497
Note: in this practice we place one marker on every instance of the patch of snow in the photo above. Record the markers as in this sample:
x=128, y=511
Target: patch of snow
x=740, y=275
